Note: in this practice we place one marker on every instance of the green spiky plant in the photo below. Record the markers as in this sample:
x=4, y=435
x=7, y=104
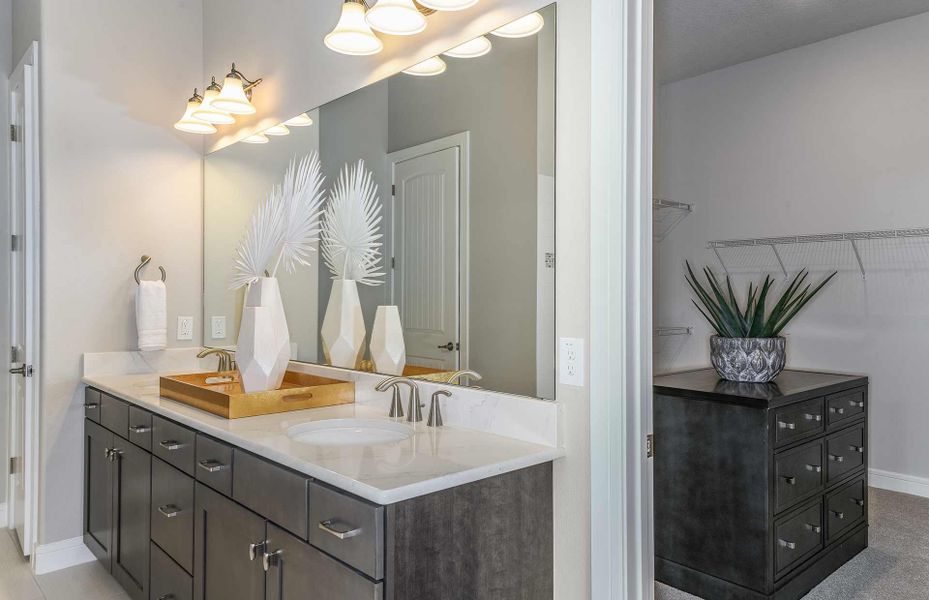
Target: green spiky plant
x=722, y=309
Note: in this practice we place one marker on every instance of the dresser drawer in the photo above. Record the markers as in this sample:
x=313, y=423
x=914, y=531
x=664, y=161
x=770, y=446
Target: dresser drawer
x=271, y=491
x=845, y=406
x=174, y=444
x=799, y=474
x=214, y=464
x=169, y=581
x=352, y=530
x=798, y=421
x=114, y=414
x=92, y=404
x=140, y=427
x=844, y=452
x=173, y=513
x=845, y=508
x=798, y=536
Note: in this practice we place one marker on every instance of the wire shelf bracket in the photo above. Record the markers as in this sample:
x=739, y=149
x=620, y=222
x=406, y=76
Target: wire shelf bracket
x=666, y=215
x=668, y=331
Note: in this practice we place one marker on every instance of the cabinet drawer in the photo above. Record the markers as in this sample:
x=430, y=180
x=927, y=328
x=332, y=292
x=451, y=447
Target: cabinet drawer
x=114, y=414
x=797, y=537
x=799, y=474
x=845, y=507
x=169, y=581
x=844, y=452
x=271, y=491
x=173, y=513
x=92, y=404
x=300, y=567
x=174, y=444
x=349, y=529
x=140, y=427
x=214, y=464
x=845, y=405
x=798, y=421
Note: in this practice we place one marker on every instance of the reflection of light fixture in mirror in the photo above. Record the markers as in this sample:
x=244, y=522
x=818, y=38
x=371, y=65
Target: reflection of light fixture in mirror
x=427, y=68
x=396, y=17
x=279, y=129
x=479, y=46
x=352, y=35
x=256, y=138
x=191, y=124
x=301, y=120
x=448, y=4
x=236, y=93
x=209, y=113
x=523, y=27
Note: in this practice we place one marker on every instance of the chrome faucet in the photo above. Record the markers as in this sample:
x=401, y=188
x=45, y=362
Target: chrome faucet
x=463, y=373
x=435, y=409
x=415, y=411
x=226, y=359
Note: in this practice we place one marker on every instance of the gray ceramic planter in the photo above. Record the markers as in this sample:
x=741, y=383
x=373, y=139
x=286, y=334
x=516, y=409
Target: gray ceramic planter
x=752, y=360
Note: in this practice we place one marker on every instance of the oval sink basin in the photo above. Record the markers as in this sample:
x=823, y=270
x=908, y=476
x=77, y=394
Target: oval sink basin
x=349, y=432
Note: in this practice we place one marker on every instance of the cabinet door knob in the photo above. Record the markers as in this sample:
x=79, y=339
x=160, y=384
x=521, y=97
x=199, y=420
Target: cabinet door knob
x=786, y=544
x=169, y=510
x=856, y=403
x=170, y=444
x=271, y=558
x=838, y=514
x=253, y=549
x=836, y=411
x=811, y=417
x=836, y=458
x=785, y=425
x=858, y=449
x=814, y=468
x=343, y=533
x=789, y=480
x=814, y=528
x=858, y=501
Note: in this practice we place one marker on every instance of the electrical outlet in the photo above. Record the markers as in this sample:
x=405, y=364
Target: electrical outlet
x=218, y=328
x=571, y=361
x=185, y=328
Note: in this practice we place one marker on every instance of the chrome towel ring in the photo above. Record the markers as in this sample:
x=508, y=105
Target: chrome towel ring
x=145, y=260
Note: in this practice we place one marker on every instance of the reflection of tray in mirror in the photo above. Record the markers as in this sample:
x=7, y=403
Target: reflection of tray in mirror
x=427, y=373
x=222, y=394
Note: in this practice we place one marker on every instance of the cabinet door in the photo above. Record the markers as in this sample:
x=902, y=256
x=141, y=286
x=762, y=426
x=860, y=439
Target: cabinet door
x=98, y=491
x=224, y=569
x=133, y=487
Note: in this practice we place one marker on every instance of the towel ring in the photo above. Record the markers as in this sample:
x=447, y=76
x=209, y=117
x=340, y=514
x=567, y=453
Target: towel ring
x=145, y=260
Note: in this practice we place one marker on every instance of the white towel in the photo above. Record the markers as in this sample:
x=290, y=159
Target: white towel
x=151, y=315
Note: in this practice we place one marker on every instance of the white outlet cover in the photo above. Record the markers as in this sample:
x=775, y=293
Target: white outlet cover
x=185, y=328
x=571, y=361
x=218, y=328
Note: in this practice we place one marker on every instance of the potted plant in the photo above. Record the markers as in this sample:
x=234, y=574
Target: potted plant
x=748, y=346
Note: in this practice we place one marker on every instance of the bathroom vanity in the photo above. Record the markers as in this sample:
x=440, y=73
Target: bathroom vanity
x=761, y=490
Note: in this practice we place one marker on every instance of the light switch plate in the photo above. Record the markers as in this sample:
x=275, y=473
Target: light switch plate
x=185, y=328
x=218, y=328
x=571, y=361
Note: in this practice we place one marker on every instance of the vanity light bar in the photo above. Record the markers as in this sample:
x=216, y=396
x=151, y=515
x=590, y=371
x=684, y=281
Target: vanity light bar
x=219, y=105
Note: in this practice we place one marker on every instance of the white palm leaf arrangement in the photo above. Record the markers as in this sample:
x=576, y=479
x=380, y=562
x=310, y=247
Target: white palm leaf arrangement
x=350, y=233
x=303, y=198
x=260, y=243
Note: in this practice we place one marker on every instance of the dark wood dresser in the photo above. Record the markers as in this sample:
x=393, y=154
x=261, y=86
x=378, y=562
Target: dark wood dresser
x=761, y=490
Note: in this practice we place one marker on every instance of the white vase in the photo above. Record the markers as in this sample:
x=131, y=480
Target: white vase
x=343, y=330
x=388, y=351
x=263, y=348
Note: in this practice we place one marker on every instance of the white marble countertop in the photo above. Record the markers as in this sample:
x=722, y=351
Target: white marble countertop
x=432, y=459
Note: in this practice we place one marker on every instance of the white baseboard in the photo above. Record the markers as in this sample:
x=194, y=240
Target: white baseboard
x=61, y=555
x=898, y=482
x=3, y=515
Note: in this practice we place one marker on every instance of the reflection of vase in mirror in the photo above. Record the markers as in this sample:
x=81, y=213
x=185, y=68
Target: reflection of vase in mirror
x=388, y=351
x=263, y=349
x=343, y=330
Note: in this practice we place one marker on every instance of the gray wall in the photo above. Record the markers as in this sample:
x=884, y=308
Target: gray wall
x=6, y=33
x=26, y=18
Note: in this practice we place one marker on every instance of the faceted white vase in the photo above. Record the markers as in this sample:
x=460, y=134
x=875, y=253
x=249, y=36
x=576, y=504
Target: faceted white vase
x=263, y=348
x=388, y=352
x=343, y=330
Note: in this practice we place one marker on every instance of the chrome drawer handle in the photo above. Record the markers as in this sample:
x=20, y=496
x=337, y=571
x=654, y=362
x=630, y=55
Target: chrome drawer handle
x=858, y=501
x=856, y=404
x=835, y=410
x=270, y=558
x=836, y=458
x=786, y=544
x=784, y=425
x=170, y=444
x=212, y=466
x=341, y=534
x=169, y=510
x=789, y=480
x=91, y=406
x=253, y=549
x=814, y=528
x=858, y=449
x=810, y=417
x=166, y=597
x=140, y=429
x=814, y=468
x=838, y=514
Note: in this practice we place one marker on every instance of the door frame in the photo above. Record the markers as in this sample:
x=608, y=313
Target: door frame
x=462, y=141
x=28, y=69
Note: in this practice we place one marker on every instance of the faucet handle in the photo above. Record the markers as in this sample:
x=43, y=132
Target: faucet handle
x=435, y=409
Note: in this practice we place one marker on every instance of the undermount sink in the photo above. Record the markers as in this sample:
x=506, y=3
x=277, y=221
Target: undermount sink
x=349, y=432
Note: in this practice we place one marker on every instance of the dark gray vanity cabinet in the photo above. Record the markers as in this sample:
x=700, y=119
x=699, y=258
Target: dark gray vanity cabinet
x=760, y=489
x=98, y=491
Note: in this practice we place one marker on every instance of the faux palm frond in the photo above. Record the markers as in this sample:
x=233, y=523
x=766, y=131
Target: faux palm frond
x=722, y=309
x=261, y=241
x=350, y=233
x=302, y=196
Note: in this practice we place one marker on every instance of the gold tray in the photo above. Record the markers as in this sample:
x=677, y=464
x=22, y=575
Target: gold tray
x=227, y=399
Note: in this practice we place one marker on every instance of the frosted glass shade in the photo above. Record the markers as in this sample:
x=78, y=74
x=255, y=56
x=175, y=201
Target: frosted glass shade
x=209, y=113
x=190, y=124
x=279, y=129
x=257, y=138
x=427, y=68
x=448, y=4
x=232, y=98
x=352, y=35
x=479, y=46
x=522, y=27
x=396, y=17
x=302, y=120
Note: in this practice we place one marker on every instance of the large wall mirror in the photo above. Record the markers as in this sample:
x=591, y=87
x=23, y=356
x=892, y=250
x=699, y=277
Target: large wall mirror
x=464, y=163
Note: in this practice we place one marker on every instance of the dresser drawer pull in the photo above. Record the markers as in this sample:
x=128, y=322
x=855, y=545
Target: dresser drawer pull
x=810, y=417
x=838, y=514
x=789, y=480
x=140, y=429
x=814, y=528
x=342, y=534
x=836, y=410
x=784, y=425
x=170, y=444
x=254, y=549
x=212, y=466
x=858, y=501
x=91, y=406
x=169, y=510
x=166, y=597
x=814, y=468
x=836, y=458
x=856, y=403
x=858, y=449
x=786, y=544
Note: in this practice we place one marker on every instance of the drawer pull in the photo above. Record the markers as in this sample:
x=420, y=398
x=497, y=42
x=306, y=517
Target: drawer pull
x=789, y=480
x=253, y=549
x=838, y=514
x=814, y=528
x=271, y=558
x=170, y=444
x=858, y=449
x=342, y=534
x=836, y=458
x=140, y=429
x=836, y=410
x=856, y=403
x=810, y=417
x=814, y=468
x=858, y=501
x=166, y=597
x=212, y=466
x=785, y=425
x=91, y=406
x=169, y=510
x=786, y=544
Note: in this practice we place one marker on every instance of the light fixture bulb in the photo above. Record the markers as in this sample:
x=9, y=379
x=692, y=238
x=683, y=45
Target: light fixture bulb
x=522, y=27
x=189, y=123
x=352, y=35
x=232, y=98
x=448, y=4
x=479, y=46
x=396, y=17
x=279, y=129
x=209, y=113
x=256, y=138
x=301, y=120
x=427, y=68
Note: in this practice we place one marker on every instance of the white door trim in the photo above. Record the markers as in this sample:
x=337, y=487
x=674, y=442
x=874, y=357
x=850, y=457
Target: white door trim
x=463, y=142
x=622, y=556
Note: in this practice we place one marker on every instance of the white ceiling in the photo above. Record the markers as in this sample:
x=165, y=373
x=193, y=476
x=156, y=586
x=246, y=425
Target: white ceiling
x=693, y=37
